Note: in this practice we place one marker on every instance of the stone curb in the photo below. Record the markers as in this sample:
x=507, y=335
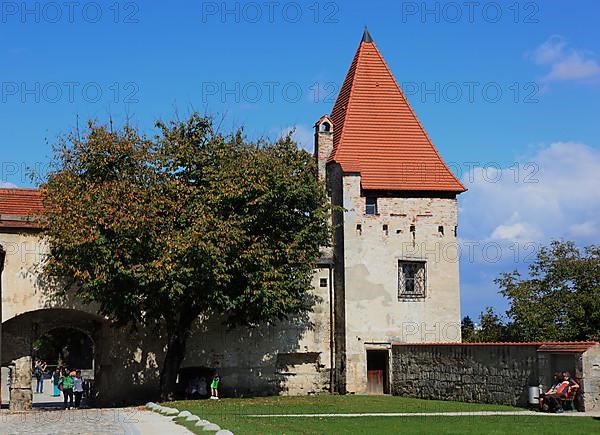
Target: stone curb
x=171, y=413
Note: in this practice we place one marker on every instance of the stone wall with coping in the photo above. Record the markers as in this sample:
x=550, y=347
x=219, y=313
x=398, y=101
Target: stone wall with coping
x=465, y=373
x=490, y=373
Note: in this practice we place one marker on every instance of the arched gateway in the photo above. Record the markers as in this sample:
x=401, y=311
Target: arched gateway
x=123, y=365
x=26, y=336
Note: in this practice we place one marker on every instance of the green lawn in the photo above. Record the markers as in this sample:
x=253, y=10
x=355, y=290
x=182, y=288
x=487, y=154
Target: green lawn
x=233, y=414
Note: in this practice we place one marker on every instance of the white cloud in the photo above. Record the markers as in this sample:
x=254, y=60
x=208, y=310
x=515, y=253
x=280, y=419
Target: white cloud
x=506, y=215
x=588, y=229
x=516, y=231
x=574, y=67
x=549, y=51
x=565, y=63
x=6, y=185
x=553, y=193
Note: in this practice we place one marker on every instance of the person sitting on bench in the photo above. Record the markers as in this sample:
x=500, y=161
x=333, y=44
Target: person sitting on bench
x=551, y=400
x=569, y=398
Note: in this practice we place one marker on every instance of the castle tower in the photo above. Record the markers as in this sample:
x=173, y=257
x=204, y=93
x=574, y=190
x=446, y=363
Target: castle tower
x=395, y=245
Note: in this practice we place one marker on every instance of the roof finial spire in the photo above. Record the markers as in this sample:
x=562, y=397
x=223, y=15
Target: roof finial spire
x=366, y=36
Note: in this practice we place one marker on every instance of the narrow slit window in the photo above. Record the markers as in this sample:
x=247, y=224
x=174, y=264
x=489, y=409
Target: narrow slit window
x=359, y=229
x=441, y=230
x=385, y=229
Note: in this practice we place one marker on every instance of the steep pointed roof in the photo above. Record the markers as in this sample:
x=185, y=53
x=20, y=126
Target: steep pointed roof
x=377, y=133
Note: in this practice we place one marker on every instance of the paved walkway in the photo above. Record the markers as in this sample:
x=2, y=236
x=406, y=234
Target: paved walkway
x=126, y=421
x=431, y=414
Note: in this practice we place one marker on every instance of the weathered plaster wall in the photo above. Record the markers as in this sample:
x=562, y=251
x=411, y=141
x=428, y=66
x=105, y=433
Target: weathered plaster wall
x=22, y=287
x=286, y=358
x=373, y=312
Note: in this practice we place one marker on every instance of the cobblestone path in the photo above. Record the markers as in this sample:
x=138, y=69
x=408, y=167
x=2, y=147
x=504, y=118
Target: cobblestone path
x=85, y=421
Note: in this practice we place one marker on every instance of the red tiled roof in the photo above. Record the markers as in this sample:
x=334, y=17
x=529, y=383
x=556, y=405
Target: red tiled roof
x=375, y=125
x=573, y=347
x=17, y=207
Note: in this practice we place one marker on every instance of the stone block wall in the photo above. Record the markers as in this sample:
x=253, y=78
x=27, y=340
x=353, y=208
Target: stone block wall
x=21, y=395
x=591, y=379
x=468, y=373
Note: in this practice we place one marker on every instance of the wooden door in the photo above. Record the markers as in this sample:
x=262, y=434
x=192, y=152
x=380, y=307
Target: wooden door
x=377, y=371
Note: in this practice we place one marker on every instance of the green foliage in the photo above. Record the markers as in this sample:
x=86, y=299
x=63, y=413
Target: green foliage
x=190, y=222
x=467, y=328
x=491, y=328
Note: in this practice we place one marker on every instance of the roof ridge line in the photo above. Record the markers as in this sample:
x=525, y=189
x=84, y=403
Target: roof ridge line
x=336, y=148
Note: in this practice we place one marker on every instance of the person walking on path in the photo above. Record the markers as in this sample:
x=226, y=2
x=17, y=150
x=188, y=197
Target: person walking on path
x=38, y=372
x=214, y=386
x=56, y=383
x=67, y=387
x=78, y=388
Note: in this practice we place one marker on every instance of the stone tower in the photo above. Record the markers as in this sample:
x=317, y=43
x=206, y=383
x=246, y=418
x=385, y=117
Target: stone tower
x=395, y=251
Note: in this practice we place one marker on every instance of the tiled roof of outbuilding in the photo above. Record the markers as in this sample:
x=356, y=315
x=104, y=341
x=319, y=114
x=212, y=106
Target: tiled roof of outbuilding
x=542, y=346
x=17, y=206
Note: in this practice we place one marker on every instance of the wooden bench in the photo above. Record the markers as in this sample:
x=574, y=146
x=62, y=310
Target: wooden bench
x=569, y=399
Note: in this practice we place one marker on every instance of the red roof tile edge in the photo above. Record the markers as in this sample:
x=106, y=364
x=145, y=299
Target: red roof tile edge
x=18, y=207
x=504, y=343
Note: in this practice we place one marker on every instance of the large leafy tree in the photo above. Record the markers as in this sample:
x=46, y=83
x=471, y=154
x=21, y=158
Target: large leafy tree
x=560, y=300
x=191, y=222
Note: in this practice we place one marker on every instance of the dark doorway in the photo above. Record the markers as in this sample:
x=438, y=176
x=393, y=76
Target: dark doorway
x=65, y=347
x=377, y=372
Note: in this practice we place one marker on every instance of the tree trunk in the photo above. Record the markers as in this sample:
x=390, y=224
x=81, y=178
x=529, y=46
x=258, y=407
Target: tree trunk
x=177, y=341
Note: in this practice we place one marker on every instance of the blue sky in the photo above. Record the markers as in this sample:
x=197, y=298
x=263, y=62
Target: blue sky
x=508, y=92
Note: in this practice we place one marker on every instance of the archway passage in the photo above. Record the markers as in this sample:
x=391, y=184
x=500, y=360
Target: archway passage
x=59, y=337
x=60, y=350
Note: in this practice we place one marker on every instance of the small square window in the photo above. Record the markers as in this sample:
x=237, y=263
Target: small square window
x=323, y=282
x=412, y=280
x=371, y=205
